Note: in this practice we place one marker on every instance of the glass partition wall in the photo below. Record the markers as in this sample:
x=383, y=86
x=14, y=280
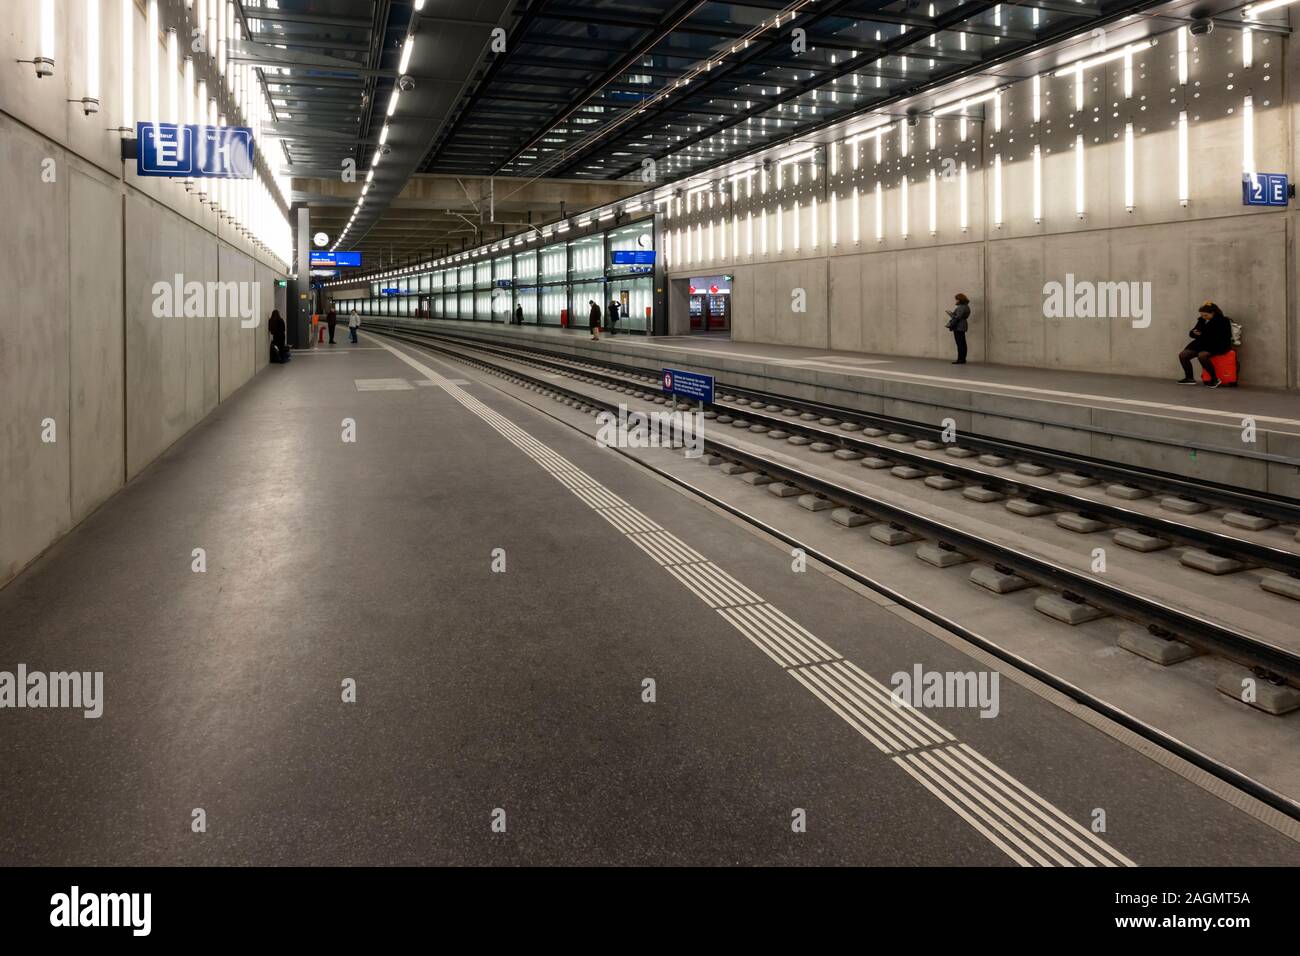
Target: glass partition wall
x=553, y=285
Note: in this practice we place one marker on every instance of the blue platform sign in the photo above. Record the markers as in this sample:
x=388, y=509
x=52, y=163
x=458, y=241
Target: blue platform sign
x=193, y=151
x=1265, y=189
x=632, y=257
x=688, y=385
x=323, y=257
x=391, y=291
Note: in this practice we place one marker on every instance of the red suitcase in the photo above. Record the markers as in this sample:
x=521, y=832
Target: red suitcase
x=1225, y=366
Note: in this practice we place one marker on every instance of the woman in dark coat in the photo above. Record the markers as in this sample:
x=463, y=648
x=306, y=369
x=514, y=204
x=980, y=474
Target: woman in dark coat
x=1212, y=335
x=331, y=320
x=957, y=322
x=277, y=329
x=595, y=320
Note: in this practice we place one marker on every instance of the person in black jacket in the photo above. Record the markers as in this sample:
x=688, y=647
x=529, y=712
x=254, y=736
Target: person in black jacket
x=613, y=313
x=276, y=326
x=519, y=315
x=595, y=320
x=957, y=324
x=1211, y=336
x=331, y=320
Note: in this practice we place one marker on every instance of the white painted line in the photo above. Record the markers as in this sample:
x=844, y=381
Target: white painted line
x=837, y=680
x=748, y=619
x=382, y=384
x=920, y=763
x=866, y=729
x=878, y=715
x=1025, y=813
x=1012, y=817
x=955, y=808
x=1084, y=832
x=628, y=520
x=665, y=548
x=992, y=808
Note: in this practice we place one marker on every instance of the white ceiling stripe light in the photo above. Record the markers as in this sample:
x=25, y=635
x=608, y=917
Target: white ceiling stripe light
x=90, y=102
x=1252, y=11
x=965, y=217
x=128, y=64
x=1128, y=167
x=1182, y=159
x=1089, y=62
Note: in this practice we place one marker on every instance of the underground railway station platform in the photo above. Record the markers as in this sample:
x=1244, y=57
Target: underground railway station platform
x=845, y=454
x=531, y=623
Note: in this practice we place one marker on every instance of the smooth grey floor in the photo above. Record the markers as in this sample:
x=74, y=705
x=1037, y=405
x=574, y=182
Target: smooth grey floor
x=476, y=690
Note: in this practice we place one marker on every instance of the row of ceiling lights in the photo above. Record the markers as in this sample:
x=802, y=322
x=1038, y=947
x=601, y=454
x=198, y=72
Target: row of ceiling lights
x=408, y=47
x=558, y=228
x=1250, y=13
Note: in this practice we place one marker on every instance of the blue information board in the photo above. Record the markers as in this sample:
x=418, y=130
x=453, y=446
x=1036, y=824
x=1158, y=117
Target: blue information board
x=1265, y=189
x=688, y=385
x=391, y=291
x=632, y=257
x=193, y=151
x=323, y=257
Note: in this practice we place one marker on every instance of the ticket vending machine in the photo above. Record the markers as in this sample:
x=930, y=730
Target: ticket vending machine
x=710, y=304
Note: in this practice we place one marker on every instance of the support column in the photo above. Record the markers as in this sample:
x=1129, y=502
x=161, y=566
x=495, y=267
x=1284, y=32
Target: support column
x=302, y=309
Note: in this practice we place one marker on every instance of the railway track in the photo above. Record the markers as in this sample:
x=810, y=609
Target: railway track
x=597, y=387
x=1269, y=659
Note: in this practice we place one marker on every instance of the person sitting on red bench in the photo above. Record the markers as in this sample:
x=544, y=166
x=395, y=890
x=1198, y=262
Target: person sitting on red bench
x=1212, y=336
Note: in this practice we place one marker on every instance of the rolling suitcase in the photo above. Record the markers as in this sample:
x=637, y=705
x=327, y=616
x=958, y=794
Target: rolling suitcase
x=1225, y=366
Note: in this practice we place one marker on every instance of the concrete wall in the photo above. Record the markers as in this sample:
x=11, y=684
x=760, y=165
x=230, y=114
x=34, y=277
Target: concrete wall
x=85, y=241
x=888, y=294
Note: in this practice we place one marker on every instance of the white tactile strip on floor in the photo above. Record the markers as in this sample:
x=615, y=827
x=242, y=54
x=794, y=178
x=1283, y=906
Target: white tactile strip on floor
x=1027, y=828
x=382, y=384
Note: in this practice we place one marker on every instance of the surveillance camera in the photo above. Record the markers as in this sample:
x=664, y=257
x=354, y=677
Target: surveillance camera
x=767, y=164
x=913, y=118
x=385, y=149
x=1200, y=28
x=405, y=83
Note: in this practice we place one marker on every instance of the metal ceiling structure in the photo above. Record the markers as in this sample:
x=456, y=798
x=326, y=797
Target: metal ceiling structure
x=323, y=64
x=595, y=90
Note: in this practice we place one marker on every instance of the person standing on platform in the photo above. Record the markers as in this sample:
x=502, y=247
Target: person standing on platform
x=614, y=314
x=279, y=349
x=519, y=315
x=958, y=320
x=595, y=320
x=1212, y=335
x=331, y=320
x=354, y=323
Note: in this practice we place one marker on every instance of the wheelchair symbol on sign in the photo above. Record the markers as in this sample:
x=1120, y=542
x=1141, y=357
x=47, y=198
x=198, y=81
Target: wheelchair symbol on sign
x=668, y=381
